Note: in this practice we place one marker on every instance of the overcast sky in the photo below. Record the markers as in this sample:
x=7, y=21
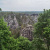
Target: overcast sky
x=24, y=5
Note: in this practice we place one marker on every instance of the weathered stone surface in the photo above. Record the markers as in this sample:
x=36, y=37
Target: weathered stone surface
x=27, y=32
x=12, y=22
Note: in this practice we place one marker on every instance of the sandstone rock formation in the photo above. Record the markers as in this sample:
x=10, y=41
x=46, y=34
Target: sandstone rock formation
x=27, y=32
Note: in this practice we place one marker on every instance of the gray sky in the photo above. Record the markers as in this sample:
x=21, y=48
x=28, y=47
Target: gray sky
x=24, y=5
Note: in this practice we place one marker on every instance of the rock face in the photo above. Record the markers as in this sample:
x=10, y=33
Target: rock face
x=34, y=17
x=29, y=19
x=21, y=21
x=27, y=32
x=12, y=22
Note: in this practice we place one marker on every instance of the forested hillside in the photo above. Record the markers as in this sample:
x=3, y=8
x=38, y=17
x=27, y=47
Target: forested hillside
x=17, y=21
x=25, y=32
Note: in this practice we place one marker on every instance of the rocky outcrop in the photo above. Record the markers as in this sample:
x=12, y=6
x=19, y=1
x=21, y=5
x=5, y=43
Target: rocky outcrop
x=29, y=19
x=15, y=20
x=12, y=22
x=18, y=20
x=27, y=32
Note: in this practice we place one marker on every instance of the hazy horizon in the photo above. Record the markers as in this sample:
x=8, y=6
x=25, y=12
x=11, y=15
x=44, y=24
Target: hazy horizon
x=24, y=5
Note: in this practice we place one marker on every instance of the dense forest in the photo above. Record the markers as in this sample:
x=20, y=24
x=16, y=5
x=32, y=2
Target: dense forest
x=41, y=34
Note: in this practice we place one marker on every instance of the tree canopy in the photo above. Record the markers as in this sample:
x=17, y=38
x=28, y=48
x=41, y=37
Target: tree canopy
x=0, y=9
x=42, y=27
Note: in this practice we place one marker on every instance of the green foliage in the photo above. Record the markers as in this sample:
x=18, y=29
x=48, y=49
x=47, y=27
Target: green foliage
x=23, y=43
x=42, y=31
x=6, y=42
x=42, y=23
x=46, y=34
x=0, y=9
x=42, y=27
x=9, y=43
x=37, y=44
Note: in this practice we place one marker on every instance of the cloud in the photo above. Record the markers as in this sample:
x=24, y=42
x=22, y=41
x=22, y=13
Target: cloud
x=24, y=5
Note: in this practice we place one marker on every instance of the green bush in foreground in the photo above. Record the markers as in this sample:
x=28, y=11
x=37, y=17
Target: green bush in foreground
x=9, y=43
x=42, y=27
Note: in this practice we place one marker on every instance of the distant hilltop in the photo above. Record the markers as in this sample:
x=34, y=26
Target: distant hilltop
x=25, y=12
